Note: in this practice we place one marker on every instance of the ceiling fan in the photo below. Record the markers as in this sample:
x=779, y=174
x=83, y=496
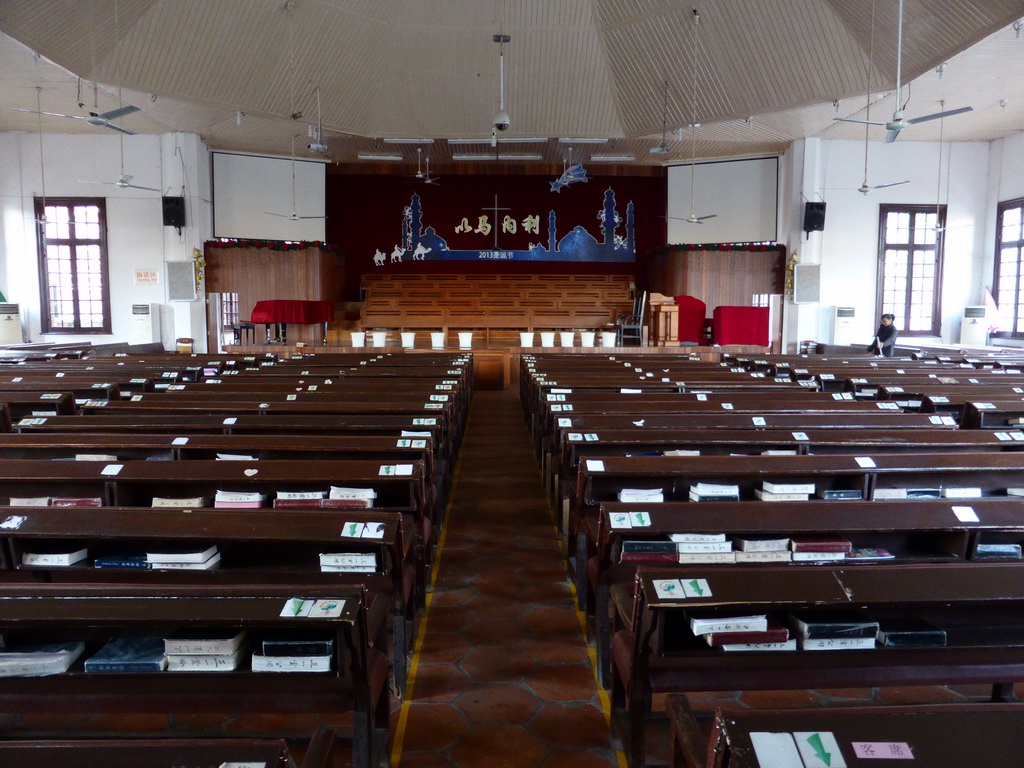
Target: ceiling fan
x=93, y=117
x=662, y=149
x=693, y=218
x=899, y=122
x=124, y=181
x=293, y=216
x=866, y=188
x=425, y=177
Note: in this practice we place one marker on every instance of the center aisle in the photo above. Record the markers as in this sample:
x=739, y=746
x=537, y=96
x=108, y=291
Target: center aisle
x=502, y=675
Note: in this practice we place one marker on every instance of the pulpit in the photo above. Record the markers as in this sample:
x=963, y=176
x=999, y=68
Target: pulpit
x=692, y=314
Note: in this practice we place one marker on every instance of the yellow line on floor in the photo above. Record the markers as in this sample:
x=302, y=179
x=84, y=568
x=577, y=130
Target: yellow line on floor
x=403, y=715
x=581, y=617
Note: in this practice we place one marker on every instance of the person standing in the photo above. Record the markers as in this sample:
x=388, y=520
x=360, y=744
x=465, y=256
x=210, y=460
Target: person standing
x=884, y=343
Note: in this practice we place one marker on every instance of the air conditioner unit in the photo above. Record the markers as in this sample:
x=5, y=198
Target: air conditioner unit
x=844, y=327
x=974, y=327
x=145, y=324
x=10, y=324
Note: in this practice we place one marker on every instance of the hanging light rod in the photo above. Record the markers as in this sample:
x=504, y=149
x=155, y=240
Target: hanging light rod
x=408, y=141
x=612, y=158
x=362, y=156
x=583, y=141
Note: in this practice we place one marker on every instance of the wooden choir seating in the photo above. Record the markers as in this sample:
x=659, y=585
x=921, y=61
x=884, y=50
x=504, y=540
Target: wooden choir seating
x=93, y=613
x=655, y=652
x=524, y=302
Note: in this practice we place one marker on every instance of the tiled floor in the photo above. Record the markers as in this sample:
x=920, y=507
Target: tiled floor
x=503, y=675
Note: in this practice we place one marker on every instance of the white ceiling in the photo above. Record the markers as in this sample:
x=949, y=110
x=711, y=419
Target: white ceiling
x=756, y=74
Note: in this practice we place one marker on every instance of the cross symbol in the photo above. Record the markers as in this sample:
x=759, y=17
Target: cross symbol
x=495, y=210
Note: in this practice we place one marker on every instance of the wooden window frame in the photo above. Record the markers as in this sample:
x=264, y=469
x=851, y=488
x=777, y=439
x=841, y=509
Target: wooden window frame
x=1001, y=209
x=903, y=316
x=45, y=318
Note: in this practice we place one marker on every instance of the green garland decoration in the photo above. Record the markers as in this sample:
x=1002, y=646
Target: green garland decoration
x=274, y=245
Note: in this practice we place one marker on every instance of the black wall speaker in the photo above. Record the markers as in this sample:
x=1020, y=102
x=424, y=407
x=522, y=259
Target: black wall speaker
x=814, y=217
x=174, y=211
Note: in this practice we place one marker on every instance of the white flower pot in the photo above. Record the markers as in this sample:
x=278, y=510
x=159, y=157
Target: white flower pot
x=526, y=338
x=380, y=338
x=566, y=338
x=408, y=339
x=437, y=339
x=465, y=339
x=358, y=338
x=608, y=338
x=547, y=338
x=587, y=338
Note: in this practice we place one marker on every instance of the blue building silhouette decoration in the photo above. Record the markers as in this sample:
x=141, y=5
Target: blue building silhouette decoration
x=576, y=245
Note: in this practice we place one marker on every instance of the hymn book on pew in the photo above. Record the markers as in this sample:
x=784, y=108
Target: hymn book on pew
x=128, y=654
x=38, y=660
x=54, y=559
x=204, y=650
x=239, y=499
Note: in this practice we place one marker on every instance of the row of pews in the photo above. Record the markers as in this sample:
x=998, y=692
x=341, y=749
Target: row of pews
x=117, y=456
x=913, y=465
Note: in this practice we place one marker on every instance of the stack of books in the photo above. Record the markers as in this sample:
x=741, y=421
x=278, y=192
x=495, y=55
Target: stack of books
x=751, y=549
x=299, y=499
x=774, y=637
x=349, y=498
x=997, y=551
x=703, y=548
x=784, y=491
x=192, y=560
x=714, y=492
x=54, y=559
x=239, y=499
x=38, y=660
x=291, y=654
x=54, y=501
x=95, y=457
x=236, y=457
x=348, y=562
x=833, y=630
x=819, y=548
x=840, y=494
x=191, y=502
x=961, y=493
x=642, y=495
x=204, y=650
x=129, y=655
x=910, y=632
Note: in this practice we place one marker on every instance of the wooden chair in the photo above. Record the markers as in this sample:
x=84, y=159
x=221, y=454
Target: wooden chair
x=630, y=327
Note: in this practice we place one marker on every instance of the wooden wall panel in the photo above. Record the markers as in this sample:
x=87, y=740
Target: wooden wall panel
x=717, y=278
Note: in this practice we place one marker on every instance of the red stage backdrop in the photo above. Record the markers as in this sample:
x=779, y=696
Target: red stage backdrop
x=369, y=213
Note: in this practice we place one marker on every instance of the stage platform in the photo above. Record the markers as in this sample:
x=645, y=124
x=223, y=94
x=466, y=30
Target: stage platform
x=495, y=365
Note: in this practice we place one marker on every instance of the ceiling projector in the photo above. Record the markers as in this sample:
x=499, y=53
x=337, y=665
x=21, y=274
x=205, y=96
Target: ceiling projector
x=317, y=146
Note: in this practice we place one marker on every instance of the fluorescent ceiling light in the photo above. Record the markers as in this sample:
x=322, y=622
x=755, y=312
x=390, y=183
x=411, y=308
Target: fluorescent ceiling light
x=472, y=157
x=408, y=141
x=520, y=157
x=612, y=158
x=379, y=157
x=583, y=141
x=487, y=140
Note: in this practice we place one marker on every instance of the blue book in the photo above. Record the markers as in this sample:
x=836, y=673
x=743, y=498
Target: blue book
x=121, y=561
x=129, y=654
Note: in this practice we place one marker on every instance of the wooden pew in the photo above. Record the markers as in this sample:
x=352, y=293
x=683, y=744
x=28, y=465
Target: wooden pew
x=163, y=753
x=932, y=735
x=257, y=546
x=658, y=654
x=925, y=531
x=94, y=613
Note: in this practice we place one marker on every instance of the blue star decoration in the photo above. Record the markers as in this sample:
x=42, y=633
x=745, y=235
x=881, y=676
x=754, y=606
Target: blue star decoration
x=571, y=175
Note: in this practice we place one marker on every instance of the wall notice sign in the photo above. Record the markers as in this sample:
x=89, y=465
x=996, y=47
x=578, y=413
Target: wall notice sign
x=147, y=277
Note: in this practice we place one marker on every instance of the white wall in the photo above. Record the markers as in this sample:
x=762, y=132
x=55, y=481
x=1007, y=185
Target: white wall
x=137, y=238
x=847, y=248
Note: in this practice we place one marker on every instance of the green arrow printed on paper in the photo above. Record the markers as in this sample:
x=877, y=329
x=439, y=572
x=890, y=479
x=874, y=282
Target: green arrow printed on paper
x=819, y=749
x=696, y=587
